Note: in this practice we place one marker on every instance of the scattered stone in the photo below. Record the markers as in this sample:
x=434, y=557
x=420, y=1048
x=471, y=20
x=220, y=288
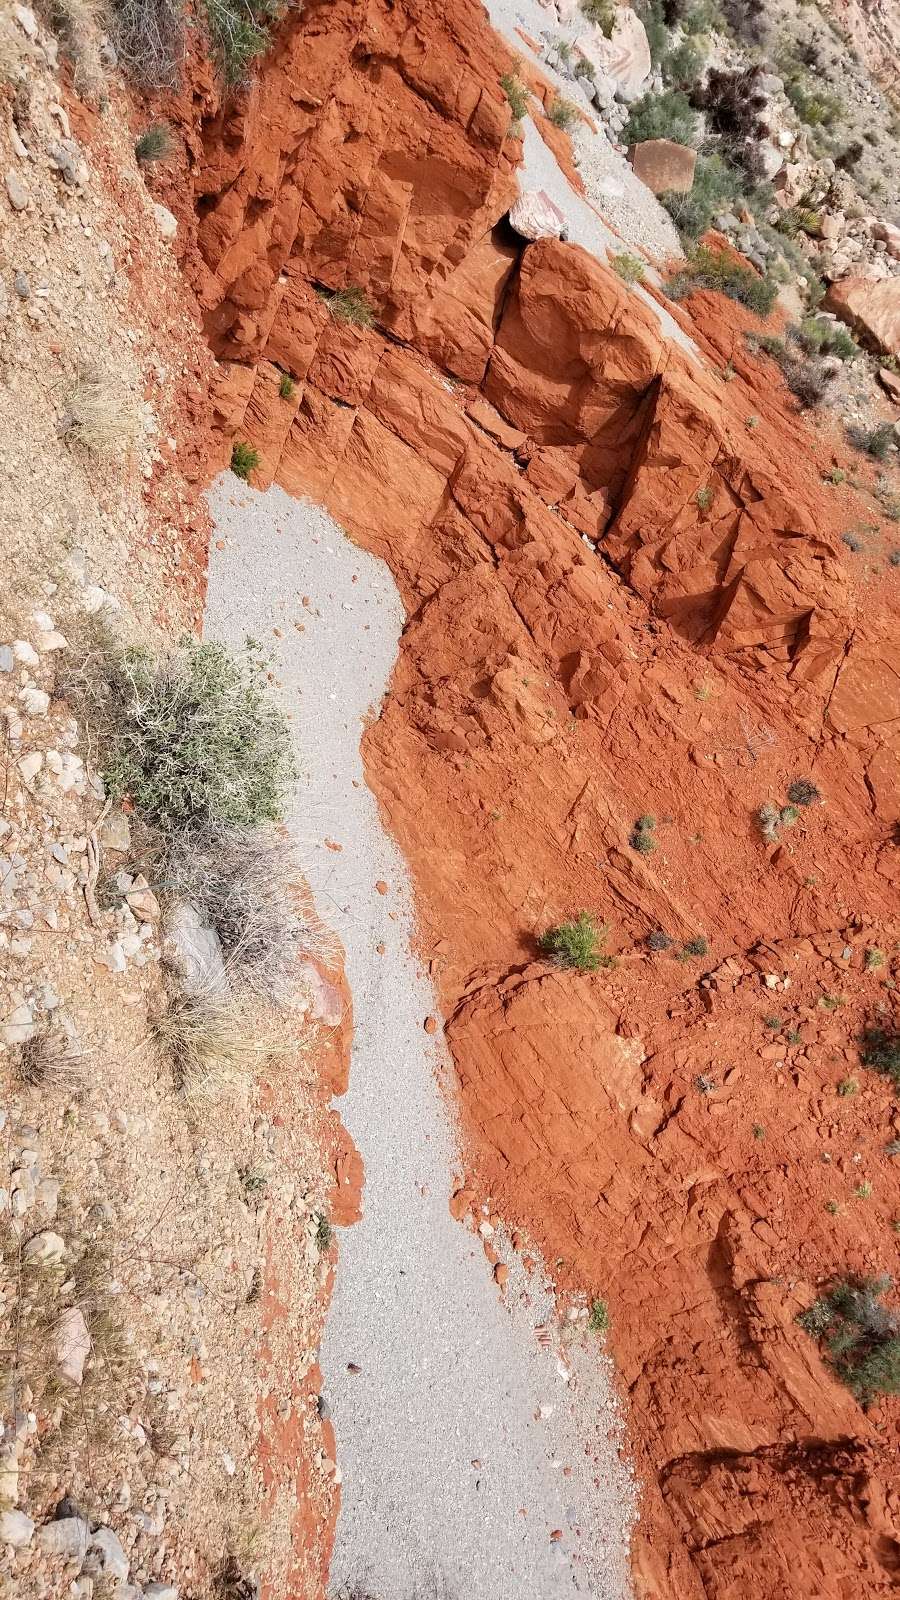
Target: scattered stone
x=165, y=221
x=73, y=1345
x=661, y=165
x=142, y=901
x=66, y=1538
x=64, y=155
x=105, y=1557
x=22, y=286
x=26, y=19
x=16, y=1529
x=16, y=191
x=197, y=948
x=870, y=307
x=25, y=653
x=35, y=701
x=160, y=1591
x=7, y=659
x=47, y=1249
x=115, y=834
x=48, y=642
x=431, y=1025
x=890, y=381
x=19, y=1025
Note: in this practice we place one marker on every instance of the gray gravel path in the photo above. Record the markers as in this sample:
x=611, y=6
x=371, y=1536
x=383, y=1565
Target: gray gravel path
x=454, y=1436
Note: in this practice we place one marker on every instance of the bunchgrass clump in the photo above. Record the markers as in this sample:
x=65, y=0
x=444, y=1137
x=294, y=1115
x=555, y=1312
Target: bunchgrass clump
x=244, y=459
x=860, y=1336
x=598, y=1318
x=351, y=306
x=875, y=442
x=516, y=93
x=210, y=1042
x=880, y=1050
x=692, y=948
x=248, y=885
x=193, y=739
x=103, y=415
x=707, y=269
x=286, y=386
x=629, y=268
x=155, y=144
x=49, y=1061
x=577, y=943
x=602, y=12
x=562, y=113
x=239, y=32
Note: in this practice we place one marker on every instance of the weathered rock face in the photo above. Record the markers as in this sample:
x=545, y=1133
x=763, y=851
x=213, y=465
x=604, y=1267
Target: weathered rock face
x=515, y=407
x=872, y=308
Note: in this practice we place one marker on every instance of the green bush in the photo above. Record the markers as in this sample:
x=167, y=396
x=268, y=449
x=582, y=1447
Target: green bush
x=155, y=144
x=642, y=836
x=661, y=116
x=682, y=66
x=707, y=269
x=194, y=739
x=860, y=1334
x=629, y=268
x=239, y=31
x=598, y=1321
x=562, y=113
x=576, y=944
x=244, y=459
x=517, y=95
x=286, y=386
x=876, y=442
x=818, y=337
x=350, y=305
x=813, y=105
x=881, y=1051
x=602, y=12
x=697, y=946
x=716, y=188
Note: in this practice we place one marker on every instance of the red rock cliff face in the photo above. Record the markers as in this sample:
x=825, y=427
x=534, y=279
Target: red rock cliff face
x=668, y=1128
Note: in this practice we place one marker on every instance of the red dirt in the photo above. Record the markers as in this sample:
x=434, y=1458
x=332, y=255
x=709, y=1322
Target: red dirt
x=645, y=1124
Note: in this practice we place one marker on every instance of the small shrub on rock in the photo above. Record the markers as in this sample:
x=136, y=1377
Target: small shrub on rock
x=697, y=946
x=103, y=415
x=880, y=1050
x=661, y=116
x=156, y=144
x=576, y=944
x=598, y=1320
x=642, y=836
x=708, y=270
x=803, y=792
x=659, y=940
x=629, y=268
x=244, y=459
x=602, y=12
x=860, y=1335
x=516, y=93
x=562, y=113
x=350, y=305
x=286, y=386
x=239, y=32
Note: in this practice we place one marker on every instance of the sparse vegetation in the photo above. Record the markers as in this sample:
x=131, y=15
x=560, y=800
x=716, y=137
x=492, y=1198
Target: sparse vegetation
x=210, y=1043
x=875, y=442
x=759, y=1131
x=155, y=144
x=881, y=1051
x=286, y=386
x=847, y=1087
x=853, y=542
x=598, y=1320
x=642, y=836
x=704, y=498
x=807, y=378
x=873, y=960
x=244, y=459
x=771, y=819
x=103, y=416
x=659, y=940
x=697, y=946
x=149, y=38
x=707, y=269
x=716, y=188
x=576, y=944
x=239, y=32
x=860, y=1335
x=602, y=12
x=50, y=1062
x=516, y=93
x=629, y=268
x=350, y=305
x=669, y=115
x=803, y=792
x=562, y=113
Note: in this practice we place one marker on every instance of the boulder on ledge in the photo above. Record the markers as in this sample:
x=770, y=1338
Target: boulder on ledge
x=536, y=216
x=661, y=164
x=871, y=307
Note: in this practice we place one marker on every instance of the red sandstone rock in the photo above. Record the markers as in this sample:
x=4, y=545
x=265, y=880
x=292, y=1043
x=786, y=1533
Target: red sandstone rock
x=872, y=308
x=663, y=165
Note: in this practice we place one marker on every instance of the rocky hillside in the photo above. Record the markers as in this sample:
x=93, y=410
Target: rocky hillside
x=649, y=677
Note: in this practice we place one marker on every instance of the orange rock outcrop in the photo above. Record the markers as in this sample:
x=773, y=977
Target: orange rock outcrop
x=627, y=594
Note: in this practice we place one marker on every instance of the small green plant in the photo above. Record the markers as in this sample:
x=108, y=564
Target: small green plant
x=562, y=113
x=239, y=32
x=577, y=943
x=704, y=498
x=847, y=1087
x=759, y=1131
x=602, y=12
x=772, y=1022
x=875, y=442
x=598, y=1320
x=155, y=144
x=836, y=475
x=323, y=1232
x=707, y=269
x=704, y=1084
x=629, y=268
x=716, y=188
x=516, y=93
x=860, y=1334
x=792, y=1036
x=642, y=836
x=659, y=940
x=752, y=422
x=831, y=1002
x=697, y=946
x=812, y=104
x=880, y=1050
x=803, y=792
x=286, y=386
x=832, y=1207
x=244, y=459
x=350, y=305
x=863, y=1191
x=193, y=738
x=661, y=116
x=873, y=959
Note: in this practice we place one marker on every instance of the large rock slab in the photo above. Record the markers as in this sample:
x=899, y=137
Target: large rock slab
x=536, y=216
x=625, y=57
x=663, y=165
x=871, y=308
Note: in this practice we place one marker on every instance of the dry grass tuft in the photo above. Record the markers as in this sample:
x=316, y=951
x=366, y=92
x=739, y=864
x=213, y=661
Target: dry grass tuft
x=103, y=416
x=50, y=1061
x=211, y=1044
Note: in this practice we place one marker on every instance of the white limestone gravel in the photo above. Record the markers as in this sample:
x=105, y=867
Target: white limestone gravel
x=463, y=1442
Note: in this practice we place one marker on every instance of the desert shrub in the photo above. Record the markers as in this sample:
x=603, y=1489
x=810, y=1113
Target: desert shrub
x=657, y=940
x=598, y=1320
x=808, y=379
x=707, y=269
x=747, y=19
x=734, y=103
x=704, y=497
x=642, y=837
x=697, y=946
x=192, y=738
x=800, y=219
x=819, y=337
x=813, y=105
x=860, y=1335
x=239, y=32
x=682, y=66
x=652, y=15
x=576, y=944
x=247, y=884
x=155, y=144
x=853, y=542
x=803, y=792
x=286, y=386
x=49, y=1061
x=602, y=12
x=562, y=113
x=716, y=188
x=209, y=1042
x=850, y=157
x=149, y=39
x=661, y=116
x=103, y=415
x=244, y=459
x=875, y=442
x=703, y=16
x=629, y=268
x=880, y=1050
x=350, y=305
x=516, y=93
